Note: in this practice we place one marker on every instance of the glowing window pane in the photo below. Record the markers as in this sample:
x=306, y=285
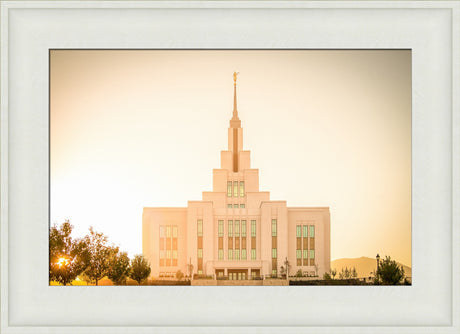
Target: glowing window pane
x=243, y=228
x=253, y=228
x=273, y=227
x=200, y=227
x=221, y=228
x=298, y=253
x=229, y=189
x=230, y=228
x=174, y=231
x=298, y=231
x=237, y=228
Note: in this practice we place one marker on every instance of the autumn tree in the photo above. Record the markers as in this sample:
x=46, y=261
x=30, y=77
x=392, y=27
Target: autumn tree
x=66, y=258
x=98, y=254
x=119, y=268
x=140, y=268
x=389, y=272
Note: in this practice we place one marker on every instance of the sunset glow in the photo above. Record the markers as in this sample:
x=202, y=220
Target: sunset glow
x=63, y=262
x=332, y=128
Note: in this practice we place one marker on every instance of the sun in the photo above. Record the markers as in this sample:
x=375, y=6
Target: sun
x=63, y=261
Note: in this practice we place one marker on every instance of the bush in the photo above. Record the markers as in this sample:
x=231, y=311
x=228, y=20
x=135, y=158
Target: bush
x=179, y=275
x=202, y=276
x=389, y=273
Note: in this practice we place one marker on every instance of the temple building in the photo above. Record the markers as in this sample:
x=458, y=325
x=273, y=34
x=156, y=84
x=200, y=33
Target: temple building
x=236, y=232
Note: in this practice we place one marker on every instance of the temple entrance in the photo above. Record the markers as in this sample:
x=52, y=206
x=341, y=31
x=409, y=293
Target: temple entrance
x=237, y=274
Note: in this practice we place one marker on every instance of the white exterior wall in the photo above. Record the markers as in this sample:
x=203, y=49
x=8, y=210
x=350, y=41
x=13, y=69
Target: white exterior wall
x=320, y=218
x=152, y=219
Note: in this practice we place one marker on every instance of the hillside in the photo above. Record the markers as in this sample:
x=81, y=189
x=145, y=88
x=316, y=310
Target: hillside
x=363, y=265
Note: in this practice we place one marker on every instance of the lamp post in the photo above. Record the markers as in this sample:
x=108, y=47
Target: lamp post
x=378, y=264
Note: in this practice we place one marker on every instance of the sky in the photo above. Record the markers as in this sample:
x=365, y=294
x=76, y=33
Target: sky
x=144, y=128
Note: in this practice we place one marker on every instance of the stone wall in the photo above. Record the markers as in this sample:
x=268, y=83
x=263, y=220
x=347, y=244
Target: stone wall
x=272, y=282
x=206, y=282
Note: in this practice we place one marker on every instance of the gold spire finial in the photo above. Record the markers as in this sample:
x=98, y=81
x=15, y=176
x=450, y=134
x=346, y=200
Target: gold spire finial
x=234, y=77
x=235, y=121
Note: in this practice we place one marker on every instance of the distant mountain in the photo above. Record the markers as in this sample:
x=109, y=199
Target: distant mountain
x=364, y=266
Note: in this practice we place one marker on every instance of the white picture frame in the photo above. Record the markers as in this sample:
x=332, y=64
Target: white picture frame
x=431, y=29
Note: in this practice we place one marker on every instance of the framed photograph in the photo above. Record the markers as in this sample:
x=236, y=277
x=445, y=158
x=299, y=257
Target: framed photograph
x=355, y=97
x=224, y=227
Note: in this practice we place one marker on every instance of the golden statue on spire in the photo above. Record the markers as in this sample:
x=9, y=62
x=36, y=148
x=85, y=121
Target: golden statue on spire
x=234, y=77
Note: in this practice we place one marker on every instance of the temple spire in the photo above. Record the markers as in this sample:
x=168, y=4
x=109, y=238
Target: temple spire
x=235, y=121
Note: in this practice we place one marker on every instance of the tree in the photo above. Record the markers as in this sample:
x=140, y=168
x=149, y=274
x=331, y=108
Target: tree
x=119, y=268
x=333, y=273
x=140, y=268
x=354, y=273
x=98, y=255
x=287, y=266
x=346, y=273
x=282, y=270
x=66, y=260
x=299, y=273
x=342, y=274
x=389, y=273
x=326, y=276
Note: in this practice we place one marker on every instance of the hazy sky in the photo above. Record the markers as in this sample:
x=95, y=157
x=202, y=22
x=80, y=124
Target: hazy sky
x=145, y=128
